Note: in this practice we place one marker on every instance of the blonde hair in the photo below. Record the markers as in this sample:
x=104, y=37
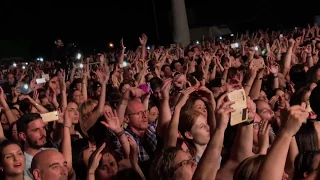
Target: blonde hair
x=84, y=110
x=248, y=168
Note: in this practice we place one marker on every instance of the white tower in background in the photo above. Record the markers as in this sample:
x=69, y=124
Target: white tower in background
x=181, y=32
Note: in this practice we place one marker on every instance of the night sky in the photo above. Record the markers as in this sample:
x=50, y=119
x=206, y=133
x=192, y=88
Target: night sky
x=31, y=32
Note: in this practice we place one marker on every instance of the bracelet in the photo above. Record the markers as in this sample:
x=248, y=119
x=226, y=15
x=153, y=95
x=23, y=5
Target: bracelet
x=119, y=133
x=67, y=126
x=275, y=76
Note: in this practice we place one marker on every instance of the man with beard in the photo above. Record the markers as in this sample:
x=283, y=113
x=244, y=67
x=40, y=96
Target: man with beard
x=32, y=132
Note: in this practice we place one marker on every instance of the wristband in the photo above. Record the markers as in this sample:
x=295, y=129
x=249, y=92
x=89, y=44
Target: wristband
x=119, y=133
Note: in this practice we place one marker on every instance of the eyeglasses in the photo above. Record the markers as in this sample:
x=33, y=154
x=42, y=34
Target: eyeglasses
x=183, y=163
x=257, y=125
x=140, y=113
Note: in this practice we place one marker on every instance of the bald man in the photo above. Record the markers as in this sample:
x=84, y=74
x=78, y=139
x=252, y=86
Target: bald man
x=49, y=165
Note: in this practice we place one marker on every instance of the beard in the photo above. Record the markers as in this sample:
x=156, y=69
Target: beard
x=35, y=144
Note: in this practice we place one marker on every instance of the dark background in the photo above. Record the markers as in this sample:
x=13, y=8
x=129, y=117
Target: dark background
x=29, y=30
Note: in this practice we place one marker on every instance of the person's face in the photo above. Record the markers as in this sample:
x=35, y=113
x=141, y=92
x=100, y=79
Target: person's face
x=256, y=126
x=157, y=93
x=78, y=86
x=263, y=96
x=54, y=83
x=149, y=76
x=178, y=67
x=88, y=152
x=153, y=114
x=59, y=43
x=124, y=88
x=200, y=107
x=138, y=116
x=167, y=72
x=10, y=79
x=78, y=97
x=108, y=167
x=98, y=91
x=200, y=131
x=36, y=134
x=179, y=81
x=184, y=166
x=54, y=167
x=72, y=108
x=45, y=101
x=12, y=160
x=264, y=110
x=15, y=133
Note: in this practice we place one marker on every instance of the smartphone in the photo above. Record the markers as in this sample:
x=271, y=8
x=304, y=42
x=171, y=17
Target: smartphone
x=41, y=80
x=259, y=63
x=234, y=45
x=46, y=77
x=240, y=106
x=51, y=116
x=23, y=87
x=145, y=88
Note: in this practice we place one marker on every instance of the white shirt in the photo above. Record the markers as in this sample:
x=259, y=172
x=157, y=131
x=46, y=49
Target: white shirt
x=28, y=159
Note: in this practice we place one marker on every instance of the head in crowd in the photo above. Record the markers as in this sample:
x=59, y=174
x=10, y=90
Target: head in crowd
x=32, y=131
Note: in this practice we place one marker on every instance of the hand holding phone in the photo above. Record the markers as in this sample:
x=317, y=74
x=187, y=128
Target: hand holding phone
x=50, y=116
x=240, y=114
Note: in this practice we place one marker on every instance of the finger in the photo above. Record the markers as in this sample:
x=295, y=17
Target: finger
x=101, y=148
x=227, y=104
x=115, y=113
x=265, y=126
x=229, y=111
x=221, y=99
x=111, y=113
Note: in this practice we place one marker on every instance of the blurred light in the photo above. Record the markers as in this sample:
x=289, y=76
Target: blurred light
x=14, y=65
x=256, y=48
x=220, y=37
x=78, y=56
x=295, y=28
x=26, y=86
x=111, y=45
x=232, y=35
x=148, y=47
x=23, y=67
x=197, y=42
x=40, y=59
x=26, y=63
x=236, y=45
x=81, y=65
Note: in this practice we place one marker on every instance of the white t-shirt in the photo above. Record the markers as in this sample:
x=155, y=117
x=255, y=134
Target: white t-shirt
x=28, y=159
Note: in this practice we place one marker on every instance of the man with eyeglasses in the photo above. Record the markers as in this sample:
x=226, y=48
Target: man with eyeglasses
x=136, y=117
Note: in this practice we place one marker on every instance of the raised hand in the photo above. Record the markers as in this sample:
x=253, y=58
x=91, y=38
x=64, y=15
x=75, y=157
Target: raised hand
x=134, y=150
x=143, y=39
x=264, y=133
x=165, y=90
x=112, y=122
x=96, y=159
x=122, y=45
x=185, y=94
x=297, y=115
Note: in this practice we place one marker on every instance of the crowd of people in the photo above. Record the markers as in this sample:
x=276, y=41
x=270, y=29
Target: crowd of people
x=163, y=113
